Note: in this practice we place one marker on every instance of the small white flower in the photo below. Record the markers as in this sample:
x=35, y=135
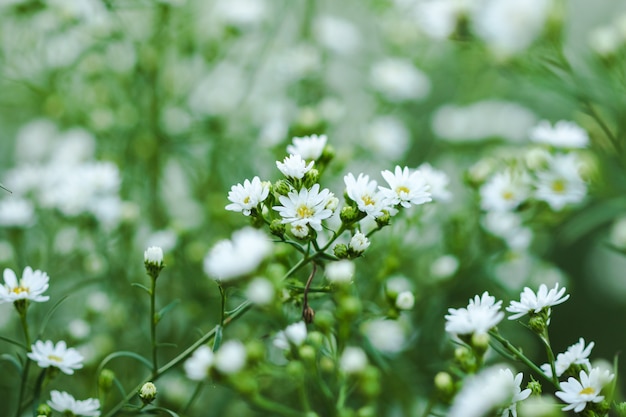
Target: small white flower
x=47, y=354
x=31, y=287
x=405, y=300
x=340, y=272
x=504, y=191
x=578, y=393
x=198, y=365
x=359, y=242
x=561, y=183
x=300, y=230
x=366, y=195
x=16, y=212
x=388, y=336
x=241, y=255
x=406, y=187
x=484, y=393
x=260, y=291
x=444, y=267
x=246, y=197
x=530, y=302
x=518, y=394
x=231, y=357
x=308, y=147
x=148, y=392
x=153, y=255
x=293, y=166
x=437, y=181
x=576, y=354
x=294, y=334
x=353, y=360
x=481, y=315
x=398, y=80
x=564, y=134
x=305, y=207
x=65, y=404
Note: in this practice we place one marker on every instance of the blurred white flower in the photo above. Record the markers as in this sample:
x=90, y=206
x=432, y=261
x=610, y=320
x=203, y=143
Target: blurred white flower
x=305, y=207
x=48, y=354
x=260, y=291
x=65, y=404
x=336, y=34
x=605, y=41
x=577, y=393
x=387, y=137
x=560, y=184
x=504, y=191
x=388, y=336
x=16, y=212
x=484, y=393
x=437, y=181
x=340, y=272
x=198, y=365
x=406, y=187
x=618, y=233
x=359, y=242
x=532, y=303
x=239, y=256
x=366, y=194
x=353, y=360
x=241, y=13
x=308, y=147
x=31, y=286
x=518, y=393
x=294, y=334
x=294, y=166
x=79, y=329
x=405, y=300
x=563, y=134
x=439, y=18
x=246, y=197
x=481, y=315
x=444, y=266
x=576, y=354
x=398, y=80
x=230, y=358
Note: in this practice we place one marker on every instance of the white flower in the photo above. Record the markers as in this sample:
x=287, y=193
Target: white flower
x=294, y=334
x=406, y=187
x=300, y=230
x=198, y=365
x=366, y=195
x=578, y=393
x=305, y=207
x=561, y=183
x=533, y=303
x=353, y=360
x=239, y=256
x=564, y=134
x=47, y=354
x=482, y=314
x=398, y=80
x=260, y=291
x=388, y=336
x=64, y=403
x=405, y=300
x=231, y=357
x=16, y=212
x=444, y=267
x=308, y=147
x=437, y=180
x=340, y=272
x=438, y=19
x=153, y=255
x=518, y=394
x=31, y=287
x=576, y=354
x=294, y=166
x=359, y=242
x=336, y=34
x=247, y=196
x=387, y=137
x=484, y=393
x=504, y=192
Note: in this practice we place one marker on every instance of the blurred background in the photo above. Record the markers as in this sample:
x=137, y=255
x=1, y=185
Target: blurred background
x=124, y=123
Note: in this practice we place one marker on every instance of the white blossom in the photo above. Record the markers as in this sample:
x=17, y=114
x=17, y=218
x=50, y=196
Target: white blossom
x=31, y=286
x=563, y=134
x=65, y=404
x=406, y=187
x=340, y=272
x=576, y=354
x=399, y=80
x=577, y=393
x=294, y=334
x=198, y=365
x=366, y=195
x=532, y=303
x=294, y=166
x=246, y=197
x=153, y=255
x=230, y=358
x=48, y=354
x=353, y=360
x=560, y=184
x=308, y=147
x=305, y=207
x=504, y=191
x=405, y=300
x=359, y=242
x=481, y=315
x=484, y=393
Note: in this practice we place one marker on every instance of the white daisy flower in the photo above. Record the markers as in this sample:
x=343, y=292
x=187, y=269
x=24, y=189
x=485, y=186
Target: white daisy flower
x=482, y=394
x=247, y=196
x=577, y=393
x=305, y=207
x=359, y=242
x=564, y=134
x=406, y=187
x=481, y=315
x=231, y=357
x=47, y=354
x=438, y=182
x=576, y=354
x=531, y=303
x=366, y=195
x=504, y=192
x=308, y=147
x=198, y=365
x=294, y=166
x=65, y=404
x=294, y=334
x=241, y=255
x=31, y=287
x=561, y=183
x=518, y=394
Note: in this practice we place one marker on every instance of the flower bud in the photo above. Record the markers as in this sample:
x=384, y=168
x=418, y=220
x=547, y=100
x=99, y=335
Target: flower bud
x=311, y=178
x=538, y=323
x=341, y=251
x=153, y=261
x=534, y=387
x=105, y=380
x=621, y=409
x=349, y=215
x=307, y=353
x=445, y=385
x=405, y=300
x=383, y=220
x=282, y=187
x=367, y=411
x=148, y=392
x=480, y=343
x=324, y=321
x=359, y=243
x=44, y=410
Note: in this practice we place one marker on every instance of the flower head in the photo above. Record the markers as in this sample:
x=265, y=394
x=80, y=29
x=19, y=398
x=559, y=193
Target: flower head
x=65, y=403
x=560, y=184
x=246, y=197
x=577, y=354
x=492, y=389
x=564, y=134
x=504, y=191
x=518, y=393
x=31, y=287
x=294, y=166
x=405, y=300
x=577, y=393
x=198, y=365
x=231, y=357
x=366, y=195
x=406, y=187
x=531, y=303
x=353, y=360
x=308, y=147
x=438, y=182
x=294, y=334
x=482, y=314
x=359, y=242
x=47, y=354
x=305, y=207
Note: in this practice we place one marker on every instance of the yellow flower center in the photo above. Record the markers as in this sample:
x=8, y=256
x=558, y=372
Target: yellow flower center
x=558, y=186
x=402, y=189
x=588, y=390
x=508, y=195
x=246, y=200
x=55, y=358
x=367, y=200
x=19, y=290
x=304, y=211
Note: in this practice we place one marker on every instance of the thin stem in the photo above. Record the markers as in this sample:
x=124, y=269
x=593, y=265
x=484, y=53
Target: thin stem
x=223, y=305
x=153, y=324
x=274, y=407
x=25, y=328
x=307, y=312
x=20, y=397
x=546, y=341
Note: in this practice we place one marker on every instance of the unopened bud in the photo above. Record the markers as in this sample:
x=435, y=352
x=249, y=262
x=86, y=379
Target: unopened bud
x=282, y=187
x=341, y=251
x=480, y=343
x=277, y=228
x=44, y=410
x=105, y=380
x=444, y=384
x=383, y=220
x=349, y=214
x=311, y=177
x=153, y=261
x=148, y=392
x=534, y=387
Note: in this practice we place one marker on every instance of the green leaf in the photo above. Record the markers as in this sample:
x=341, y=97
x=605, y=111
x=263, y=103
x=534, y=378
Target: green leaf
x=143, y=287
x=162, y=312
x=11, y=359
x=217, y=342
x=14, y=342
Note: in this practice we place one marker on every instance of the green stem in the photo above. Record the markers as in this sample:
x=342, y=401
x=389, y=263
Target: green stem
x=153, y=324
x=551, y=360
x=274, y=407
x=223, y=305
x=20, y=397
x=25, y=328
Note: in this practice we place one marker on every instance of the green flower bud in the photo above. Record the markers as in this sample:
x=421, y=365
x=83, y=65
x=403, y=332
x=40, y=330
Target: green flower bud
x=349, y=215
x=307, y=353
x=105, y=380
x=367, y=411
x=255, y=351
x=277, y=228
x=445, y=385
x=311, y=177
x=282, y=187
x=480, y=343
x=341, y=250
x=327, y=364
x=245, y=384
x=370, y=384
x=349, y=308
x=44, y=410
x=315, y=338
x=148, y=392
x=383, y=220
x=538, y=323
x=534, y=387
x=465, y=358
x=621, y=409
x=324, y=321
x=295, y=369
